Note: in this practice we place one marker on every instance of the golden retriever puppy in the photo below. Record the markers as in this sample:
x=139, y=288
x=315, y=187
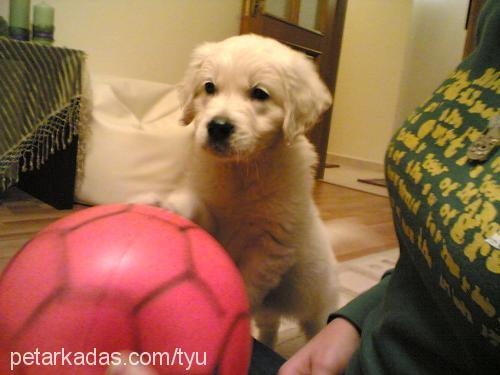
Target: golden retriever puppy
x=250, y=100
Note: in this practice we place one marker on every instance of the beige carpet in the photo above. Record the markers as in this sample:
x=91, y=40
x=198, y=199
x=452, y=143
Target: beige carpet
x=356, y=276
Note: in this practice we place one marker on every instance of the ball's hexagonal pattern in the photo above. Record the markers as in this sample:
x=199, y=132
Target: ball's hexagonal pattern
x=125, y=278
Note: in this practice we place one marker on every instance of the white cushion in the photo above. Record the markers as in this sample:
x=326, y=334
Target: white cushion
x=135, y=142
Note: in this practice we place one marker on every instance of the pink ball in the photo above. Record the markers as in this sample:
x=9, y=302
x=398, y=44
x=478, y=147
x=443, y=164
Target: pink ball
x=123, y=278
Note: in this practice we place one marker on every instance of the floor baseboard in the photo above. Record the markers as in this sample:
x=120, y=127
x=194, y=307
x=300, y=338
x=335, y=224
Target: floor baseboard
x=348, y=161
x=363, y=175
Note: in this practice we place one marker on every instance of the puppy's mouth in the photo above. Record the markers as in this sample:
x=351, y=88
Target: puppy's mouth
x=218, y=149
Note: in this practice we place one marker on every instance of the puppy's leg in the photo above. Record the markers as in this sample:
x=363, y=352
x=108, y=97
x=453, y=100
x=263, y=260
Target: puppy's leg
x=185, y=202
x=150, y=199
x=263, y=267
x=268, y=323
x=312, y=327
x=326, y=299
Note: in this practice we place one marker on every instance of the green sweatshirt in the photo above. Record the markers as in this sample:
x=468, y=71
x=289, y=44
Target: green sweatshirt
x=438, y=311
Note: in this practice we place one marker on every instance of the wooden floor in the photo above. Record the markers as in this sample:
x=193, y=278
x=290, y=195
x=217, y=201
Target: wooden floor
x=359, y=223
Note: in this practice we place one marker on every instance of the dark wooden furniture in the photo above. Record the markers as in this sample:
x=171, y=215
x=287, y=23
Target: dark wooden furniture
x=322, y=44
x=471, y=25
x=41, y=93
x=54, y=182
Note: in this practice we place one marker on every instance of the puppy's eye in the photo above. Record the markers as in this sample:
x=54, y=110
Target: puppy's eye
x=209, y=88
x=259, y=94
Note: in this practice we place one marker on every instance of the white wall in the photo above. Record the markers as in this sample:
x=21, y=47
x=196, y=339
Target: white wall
x=394, y=54
x=370, y=70
x=146, y=39
x=4, y=9
x=435, y=48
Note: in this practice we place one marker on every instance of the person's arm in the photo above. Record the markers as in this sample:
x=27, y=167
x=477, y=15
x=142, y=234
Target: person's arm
x=330, y=351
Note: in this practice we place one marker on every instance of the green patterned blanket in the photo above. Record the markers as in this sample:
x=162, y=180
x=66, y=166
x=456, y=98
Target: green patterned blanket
x=40, y=101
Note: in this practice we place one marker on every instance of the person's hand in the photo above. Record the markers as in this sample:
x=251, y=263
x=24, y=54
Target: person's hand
x=328, y=352
x=124, y=368
x=131, y=370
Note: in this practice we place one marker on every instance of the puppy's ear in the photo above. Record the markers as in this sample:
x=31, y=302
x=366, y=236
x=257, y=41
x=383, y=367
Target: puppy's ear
x=190, y=83
x=306, y=99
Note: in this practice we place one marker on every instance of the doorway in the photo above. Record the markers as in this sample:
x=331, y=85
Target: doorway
x=313, y=27
x=394, y=54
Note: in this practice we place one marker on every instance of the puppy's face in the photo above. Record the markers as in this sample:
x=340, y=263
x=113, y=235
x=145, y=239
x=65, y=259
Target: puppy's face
x=248, y=92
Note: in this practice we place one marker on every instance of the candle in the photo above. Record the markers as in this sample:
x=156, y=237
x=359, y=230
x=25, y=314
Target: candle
x=43, y=15
x=4, y=28
x=43, y=24
x=19, y=19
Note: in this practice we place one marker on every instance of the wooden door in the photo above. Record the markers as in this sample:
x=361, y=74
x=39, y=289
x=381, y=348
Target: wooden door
x=312, y=26
x=471, y=25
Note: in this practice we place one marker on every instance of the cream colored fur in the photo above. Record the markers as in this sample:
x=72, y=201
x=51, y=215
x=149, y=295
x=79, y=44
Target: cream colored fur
x=254, y=192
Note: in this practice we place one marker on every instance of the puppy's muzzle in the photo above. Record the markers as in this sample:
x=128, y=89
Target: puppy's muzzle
x=219, y=130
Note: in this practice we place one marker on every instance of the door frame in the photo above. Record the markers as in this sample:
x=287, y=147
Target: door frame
x=473, y=12
x=324, y=45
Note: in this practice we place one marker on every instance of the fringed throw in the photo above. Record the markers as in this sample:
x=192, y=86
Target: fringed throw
x=40, y=104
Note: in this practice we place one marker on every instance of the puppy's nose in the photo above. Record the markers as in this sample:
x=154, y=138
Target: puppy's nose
x=220, y=129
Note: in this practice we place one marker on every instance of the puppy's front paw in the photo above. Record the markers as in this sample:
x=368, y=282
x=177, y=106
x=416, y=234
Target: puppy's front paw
x=183, y=203
x=186, y=203
x=150, y=199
